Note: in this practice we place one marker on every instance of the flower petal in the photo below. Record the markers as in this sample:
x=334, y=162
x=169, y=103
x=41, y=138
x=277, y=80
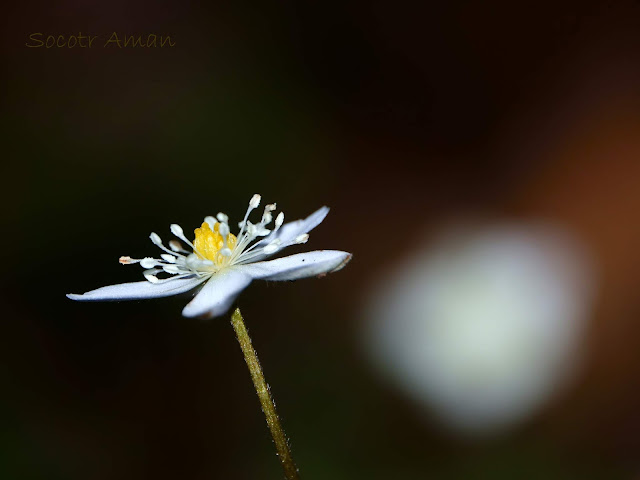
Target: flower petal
x=218, y=293
x=301, y=265
x=290, y=231
x=139, y=290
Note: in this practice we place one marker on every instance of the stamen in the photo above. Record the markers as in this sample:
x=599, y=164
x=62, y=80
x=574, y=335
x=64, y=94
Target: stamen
x=148, y=262
x=176, y=246
x=261, y=231
x=302, y=238
x=149, y=275
x=279, y=221
x=253, y=204
x=272, y=247
x=173, y=269
x=224, y=231
x=266, y=216
x=243, y=255
x=155, y=238
x=183, y=275
x=257, y=230
x=216, y=248
x=211, y=221
x=194, y=263
x=177, y=231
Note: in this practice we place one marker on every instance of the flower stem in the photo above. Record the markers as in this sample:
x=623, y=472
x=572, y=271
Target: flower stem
x=266, y=400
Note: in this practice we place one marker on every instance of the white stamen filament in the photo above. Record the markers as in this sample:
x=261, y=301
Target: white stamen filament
x=271, y=248
x=177, y=231
x=224, y=231
x=149, y=275
x=172, y=269
x=148, y=262
x=302, y=238
x=279, y=221
x=211, y=221
x=194, y=263
x=177, y=247
x=266, y=216
x=253, y=204
x=179, y=262
x=155, y=238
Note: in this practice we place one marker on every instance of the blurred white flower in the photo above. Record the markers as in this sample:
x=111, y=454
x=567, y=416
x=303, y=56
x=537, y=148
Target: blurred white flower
x=484, y=325
x=224, y=263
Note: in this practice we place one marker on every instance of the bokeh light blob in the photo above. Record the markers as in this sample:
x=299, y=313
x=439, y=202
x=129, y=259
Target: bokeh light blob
x=483, y=325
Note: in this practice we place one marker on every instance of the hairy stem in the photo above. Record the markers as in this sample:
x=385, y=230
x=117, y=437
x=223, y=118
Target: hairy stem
x=264, y=394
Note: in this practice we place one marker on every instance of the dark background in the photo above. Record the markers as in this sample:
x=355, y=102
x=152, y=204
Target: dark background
x=398, y=116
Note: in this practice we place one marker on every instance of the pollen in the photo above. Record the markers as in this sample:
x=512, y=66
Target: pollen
x=208, y=243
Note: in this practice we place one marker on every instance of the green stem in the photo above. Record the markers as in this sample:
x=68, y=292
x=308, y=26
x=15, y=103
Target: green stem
x=266, y=400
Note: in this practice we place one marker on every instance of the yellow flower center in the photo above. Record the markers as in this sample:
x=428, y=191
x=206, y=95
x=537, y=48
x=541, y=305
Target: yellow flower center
x=209, y=242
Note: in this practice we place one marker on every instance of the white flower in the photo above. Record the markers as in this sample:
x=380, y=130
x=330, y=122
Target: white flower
x=226, y=264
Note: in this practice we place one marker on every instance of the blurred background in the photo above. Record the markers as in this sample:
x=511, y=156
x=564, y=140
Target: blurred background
x=481, y=162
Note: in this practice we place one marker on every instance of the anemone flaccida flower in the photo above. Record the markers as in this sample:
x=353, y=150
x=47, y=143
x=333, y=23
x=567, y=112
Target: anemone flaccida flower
x=224, y=264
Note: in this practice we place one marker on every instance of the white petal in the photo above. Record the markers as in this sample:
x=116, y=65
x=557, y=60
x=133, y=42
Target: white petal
x=139, y=290
x=290, y=231
x=218, y=293
x=301, y=265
